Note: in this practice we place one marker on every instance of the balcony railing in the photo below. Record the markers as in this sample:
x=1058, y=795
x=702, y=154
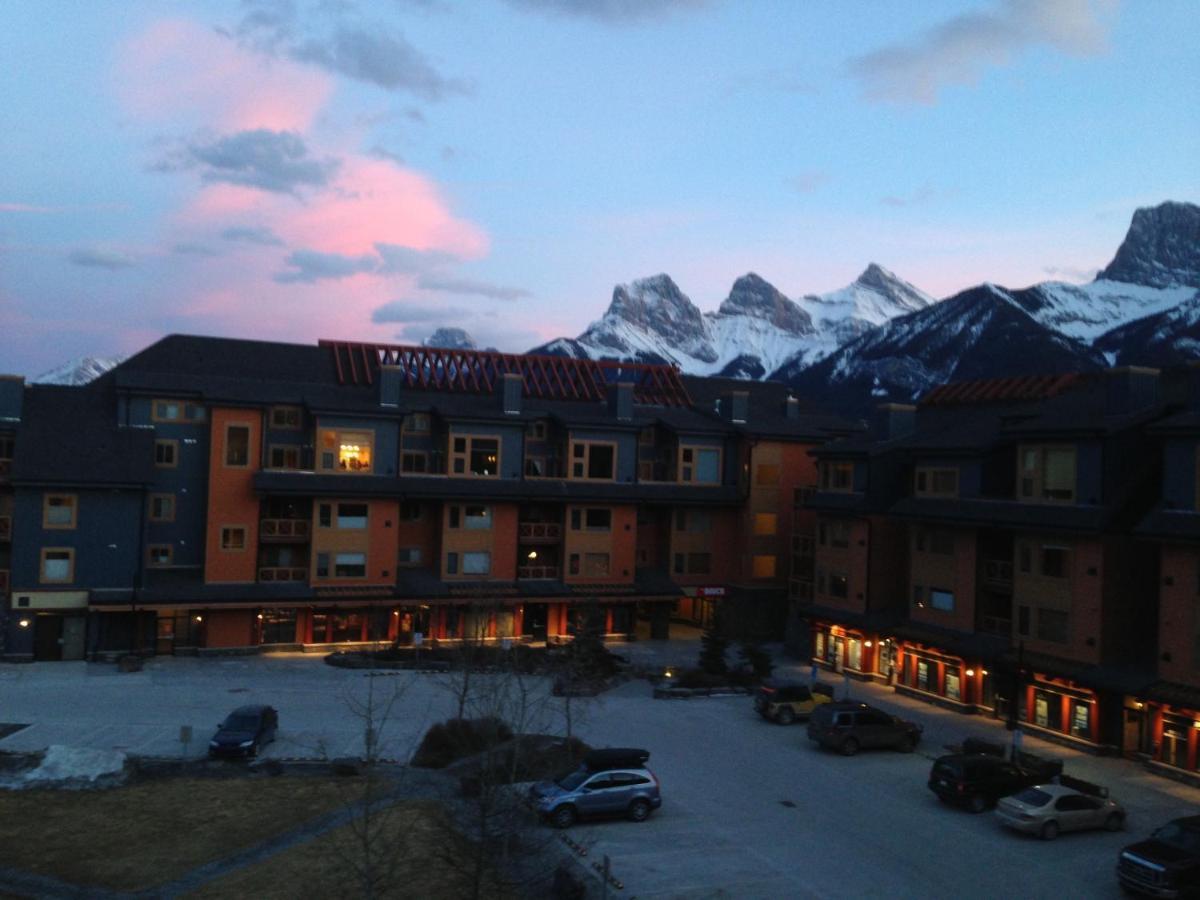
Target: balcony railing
x=3, y=582
x=534, y=572
x=539, y=531
x=5, y=529
x=803, y=545
x=994, y=625
x=282, y=573
x=998, y=571
x=284, y=529
x=800, y=590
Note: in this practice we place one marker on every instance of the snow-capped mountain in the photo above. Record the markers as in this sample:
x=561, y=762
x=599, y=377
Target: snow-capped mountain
x=450, y=338
x=755, y=331
x=79, y=371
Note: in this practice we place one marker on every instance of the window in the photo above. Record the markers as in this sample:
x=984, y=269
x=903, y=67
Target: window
x=451, y=563
x=350, y=565
x=325, y=515
x=693, y=563
x=478, y=562
x=931, y=540
x=942, y=600
x=177, y=411
x=837, y=476
x=477, y=518
x=588, y=565
x=591, y=519
x=286, y=418
x=233, y=537
x=833, y=533
x=700, y=465
x=1023, y=621
x=346, y=451
x=839, y=585
x=351, y=516
x=536, y=431
x=162, y=507
x=414, y=462
x=58, y=511
x=764, y=566
x=409, y=556
x=6, y=447
x=417, y=423
x=237, y=445
x=766, y=523
x=693, y=521
x=411, y=511
x=1046, y=474
x=322, y=565
x=593, y=460
x=166, y=454
x=535, y=467
x=475, y=456
x=1046, y=560
x=1055, y=561
x=282, y=456
x=766, y=475
x=158, y=555
x=936, y=482
x=918, y=596
x=58, y=565
x=1052, y=625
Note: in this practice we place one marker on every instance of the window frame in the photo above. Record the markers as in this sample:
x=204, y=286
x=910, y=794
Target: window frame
x=183, y=418
x=409, y=456
x=151, y=517
x=1036, y=476
x=932, y=603
x=463, y=565
x=828, y=481
x=929, y=474
x=163, y=443
x=229, y=428
x=337, y=515
x=464, y=456
x=285, y=449
x=337, y=563
x=228, y=531
x=585, y=460
x=42, y=560
x=687, y=469
x=417, y=423
x=286, y=410
x=60, y=526
x=170, y=556
x=341, y=437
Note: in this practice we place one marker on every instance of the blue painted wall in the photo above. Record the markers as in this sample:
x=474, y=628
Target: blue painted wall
x=1179, y=473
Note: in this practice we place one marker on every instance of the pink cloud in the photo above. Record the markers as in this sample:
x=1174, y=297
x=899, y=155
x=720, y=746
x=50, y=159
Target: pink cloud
x=177, y=68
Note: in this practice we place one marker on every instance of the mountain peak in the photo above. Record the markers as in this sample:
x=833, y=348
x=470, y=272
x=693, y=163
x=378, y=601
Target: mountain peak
x=752, y=295
x=83, y=370
x=450, y=338
x=1161, y=248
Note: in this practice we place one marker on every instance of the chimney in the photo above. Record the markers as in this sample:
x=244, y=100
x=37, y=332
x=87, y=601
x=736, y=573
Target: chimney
x=12, y=391
x=620, y=400
x=735, y=406
x=791, y=407
x=893, y=420
x=511, y=384
x=1128, y=389
x=391, y=378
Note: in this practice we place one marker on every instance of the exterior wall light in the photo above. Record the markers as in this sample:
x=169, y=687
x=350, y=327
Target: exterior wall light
x=199, y=618
x=985, y=672
x=24, y=623
x=260, y=615
x=868, y=643
x=970, y=673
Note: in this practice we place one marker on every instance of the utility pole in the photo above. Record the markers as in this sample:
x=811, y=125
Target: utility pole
x=1018, y=685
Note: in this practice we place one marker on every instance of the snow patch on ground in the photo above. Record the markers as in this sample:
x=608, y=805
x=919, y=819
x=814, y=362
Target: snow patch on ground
x=72, y=767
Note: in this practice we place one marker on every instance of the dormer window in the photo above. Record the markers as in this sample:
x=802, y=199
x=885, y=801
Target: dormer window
x=837, y=476
x=1046, y=473
x=935, y=482
x=346, y=451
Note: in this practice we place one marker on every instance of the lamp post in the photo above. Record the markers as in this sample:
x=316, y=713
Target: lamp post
x=1018, y=685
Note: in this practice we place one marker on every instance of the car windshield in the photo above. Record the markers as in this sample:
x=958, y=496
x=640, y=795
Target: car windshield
x=241, y=723
x=574, y=780
x=1033, y=797
x=1186, y=839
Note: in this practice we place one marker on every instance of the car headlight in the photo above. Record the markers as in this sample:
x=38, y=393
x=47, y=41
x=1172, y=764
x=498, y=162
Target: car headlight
x=245, y=744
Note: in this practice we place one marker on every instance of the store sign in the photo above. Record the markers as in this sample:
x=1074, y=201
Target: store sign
x=710, y=592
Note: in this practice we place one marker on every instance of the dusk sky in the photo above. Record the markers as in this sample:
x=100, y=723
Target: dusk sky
x=370, y=171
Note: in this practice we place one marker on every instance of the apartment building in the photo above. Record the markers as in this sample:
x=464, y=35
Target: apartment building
x=212, y=495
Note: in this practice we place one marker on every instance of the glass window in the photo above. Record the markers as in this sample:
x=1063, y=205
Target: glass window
x=233, y=537
x=58, y=564
x=413, y=462
x=476, y=563
x=350, y=565
x=596, y=461
x=595, y=565
x=764, y=566
x=325, y=515
x=839, y=585
x=159, y=555
x=162, y=507
x=837, y=476
x=597, y=519
x=410, y=511
x=941, y=599
x=237, y=445
x=765, y=523
x=166, y=454
x=700, y=465
x=352, y=516
x=285, y=418
x=417, y=423
x=1081, y=719
x=936, y=482
x=58, y=511
x=477, y=518
x=452, y=563
x=346, y=451
x=475, y=456
x=284, y=457
x=1055, y=562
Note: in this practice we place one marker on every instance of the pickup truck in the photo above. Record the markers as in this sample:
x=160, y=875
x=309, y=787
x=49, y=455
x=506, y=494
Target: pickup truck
x=786, y=701
x=1166, y=864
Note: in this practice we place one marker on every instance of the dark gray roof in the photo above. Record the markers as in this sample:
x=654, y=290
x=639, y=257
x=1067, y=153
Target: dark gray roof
x=1174, y=524
x=1004, y=512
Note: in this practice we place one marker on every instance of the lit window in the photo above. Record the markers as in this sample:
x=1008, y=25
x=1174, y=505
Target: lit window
x=58, y=511
x=350, y=565
x=346, y=451
x=764, y=566
x=765, y=523
x=474, y=456
x=233, y=538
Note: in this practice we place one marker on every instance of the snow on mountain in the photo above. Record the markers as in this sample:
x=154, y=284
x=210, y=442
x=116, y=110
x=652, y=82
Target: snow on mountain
x=875, y=297
x=1086, y=311
x=83, y=370
x=1161, y=248
x=449, y=338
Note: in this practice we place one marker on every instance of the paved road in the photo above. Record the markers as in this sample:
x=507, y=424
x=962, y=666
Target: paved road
x=750, y=809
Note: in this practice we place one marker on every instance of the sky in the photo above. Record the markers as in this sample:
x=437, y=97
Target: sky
x=370, y=171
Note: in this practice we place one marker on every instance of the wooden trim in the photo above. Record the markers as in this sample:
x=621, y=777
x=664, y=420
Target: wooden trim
x=164, y=442
x=150, y=548
x=229, y=426
x=245, y=538
x=275, y=426
x=70, y=551
x=74, y=505
x=470, y=437
x=150, y=508
x=340, y=434
x=588, y=444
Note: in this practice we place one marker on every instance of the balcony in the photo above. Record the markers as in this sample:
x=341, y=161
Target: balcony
x=5, y=529
x=800, y=590
x=283, y=530
x=282, y=573
x=994, y=625
x=3, y=582
x=529, y=573
x=803, y=545
x=539, y=532
x=998, y=573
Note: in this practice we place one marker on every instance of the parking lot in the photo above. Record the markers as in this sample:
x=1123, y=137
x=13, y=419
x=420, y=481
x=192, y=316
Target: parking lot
x=750, y=809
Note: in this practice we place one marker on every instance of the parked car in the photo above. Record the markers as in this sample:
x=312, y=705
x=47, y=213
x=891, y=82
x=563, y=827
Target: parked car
x=609, y=782
x=245, y=731
x=978, y=780
x=1072, y=805
x=848, y=727
x=786, y=701
x=1166, y=864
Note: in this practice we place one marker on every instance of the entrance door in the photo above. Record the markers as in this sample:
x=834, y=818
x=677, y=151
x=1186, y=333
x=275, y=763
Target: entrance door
x=47, y=637
x=534, y=621
x=1133, y=731
x=74, y=629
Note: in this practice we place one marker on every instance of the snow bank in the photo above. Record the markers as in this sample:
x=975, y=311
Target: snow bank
x=74, y=767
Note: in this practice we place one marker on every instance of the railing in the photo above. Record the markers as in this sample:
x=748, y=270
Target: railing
x=283, y=529
x=803, y=545
x=3, y=582
x=532, y=572
x=799, y=589
x=998, y=571
x=5, y=528
x=539, y=531
x=994, y=625
x=282, y=573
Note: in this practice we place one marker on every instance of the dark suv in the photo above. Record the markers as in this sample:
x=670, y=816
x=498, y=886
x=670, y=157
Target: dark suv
x=849, y=727
x=1166, y=864
x=978, y=780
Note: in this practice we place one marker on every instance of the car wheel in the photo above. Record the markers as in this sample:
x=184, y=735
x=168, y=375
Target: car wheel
x=849, y=747
x=785, y=716
x=1114, y=822
x=563, y=817
x=977, y=803
x=1049, y=831
x=639, y=810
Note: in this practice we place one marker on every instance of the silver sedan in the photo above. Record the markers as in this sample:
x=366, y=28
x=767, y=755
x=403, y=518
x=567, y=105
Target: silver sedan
x=1047, y=809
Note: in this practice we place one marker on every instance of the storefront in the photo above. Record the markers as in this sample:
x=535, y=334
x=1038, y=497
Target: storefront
x=928, y=671
x=844, y=649
x=1060, y=706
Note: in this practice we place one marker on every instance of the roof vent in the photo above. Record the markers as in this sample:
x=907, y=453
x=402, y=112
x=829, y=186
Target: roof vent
x=391, y=378
x=12, y=391
x=620, y=400
x=735, y=406
x=791, y=407
x=510, y=390
x=894, y=420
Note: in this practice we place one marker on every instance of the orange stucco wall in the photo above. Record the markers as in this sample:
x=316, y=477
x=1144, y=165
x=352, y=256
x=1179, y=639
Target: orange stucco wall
x=231, y=499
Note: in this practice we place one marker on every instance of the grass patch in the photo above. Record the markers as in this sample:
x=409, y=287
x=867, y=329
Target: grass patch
x=144, y=834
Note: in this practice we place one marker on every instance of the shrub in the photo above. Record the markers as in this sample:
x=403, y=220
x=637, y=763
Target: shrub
x=757, y=659
x=455, y=738
x=713, y=645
